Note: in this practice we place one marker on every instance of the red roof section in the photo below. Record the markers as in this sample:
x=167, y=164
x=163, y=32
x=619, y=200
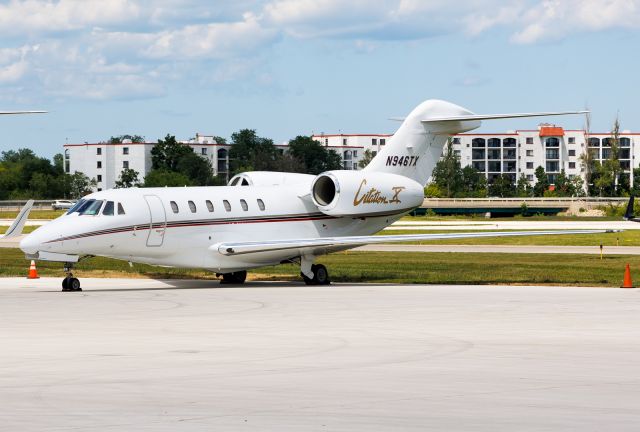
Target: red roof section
x=551, y=131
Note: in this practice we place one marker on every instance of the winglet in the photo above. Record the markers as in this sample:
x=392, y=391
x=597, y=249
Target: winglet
x=628, y=215
x=18, y=224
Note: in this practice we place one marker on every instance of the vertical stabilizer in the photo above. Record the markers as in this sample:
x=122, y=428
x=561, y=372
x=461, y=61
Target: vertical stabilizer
x=415, y=148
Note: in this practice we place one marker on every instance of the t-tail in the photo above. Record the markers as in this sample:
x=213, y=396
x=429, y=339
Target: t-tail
x=415, y=148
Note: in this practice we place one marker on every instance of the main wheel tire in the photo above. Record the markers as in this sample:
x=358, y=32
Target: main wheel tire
x=234, y=278
x=65, y=284
x=320, y=275
x=74, y=284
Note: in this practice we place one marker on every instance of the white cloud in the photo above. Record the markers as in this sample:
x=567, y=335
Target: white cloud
x=34, y=16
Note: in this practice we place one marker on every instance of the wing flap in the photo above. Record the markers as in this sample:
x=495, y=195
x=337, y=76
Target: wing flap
x=241, y=248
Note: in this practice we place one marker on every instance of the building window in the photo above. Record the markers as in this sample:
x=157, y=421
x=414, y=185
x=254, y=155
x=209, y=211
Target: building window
x=456, y=140
x=529, y=153
x=383, y=141
x=529, y=165
x=344, y=141
x=99, y=164
x=478, y=142
x=99, y=177
x=209, y=205
x=552, y=153
x=572, y=165
x=374, y=141
x=326, y=141
x=625, y=142
x=125, y=150
x=572, y=140
x=509, y=142
x=594, y=142
x=552, y=142
x=529, y=140
x=572, y=152
x=260, y=204
x=244, y=205
x=174, y=206
x=553, y=167
x=99, y=151
x=355, y=166
x=355, y=154
x=203, y=151
x=494, y=142
x=227, y=205
x=125, y=164
x=192, y=206
x=529, y=177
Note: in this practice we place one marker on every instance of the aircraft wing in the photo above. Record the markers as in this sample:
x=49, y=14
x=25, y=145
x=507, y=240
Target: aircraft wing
x=18, y=224
x=327, y=244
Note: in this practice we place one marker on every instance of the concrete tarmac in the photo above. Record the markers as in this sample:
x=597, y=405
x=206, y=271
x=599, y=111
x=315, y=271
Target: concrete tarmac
x=509, y=249
x=143, y=355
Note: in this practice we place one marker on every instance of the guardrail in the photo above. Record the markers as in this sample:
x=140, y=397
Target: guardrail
x=587, y=203
x=14, y=205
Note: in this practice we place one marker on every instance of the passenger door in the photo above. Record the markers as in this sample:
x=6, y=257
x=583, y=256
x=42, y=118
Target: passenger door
x=158, y=221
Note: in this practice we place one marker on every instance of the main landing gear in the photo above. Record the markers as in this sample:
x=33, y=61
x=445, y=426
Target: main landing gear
x=233, y=278
x=70, y=283
x=313, y=274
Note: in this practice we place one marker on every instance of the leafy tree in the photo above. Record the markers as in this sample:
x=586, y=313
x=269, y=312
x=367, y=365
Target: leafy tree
x=161, y=178
x=502, y=186
x=80, y=185
x=120, y=138
x=432, y=191
x=473, y=183
x=128, y=178
x=196, y=168
x=250, y=152
x=447, y=173
x=220, y=140
x=542, y=182
x=366, y=158
x=314, y=156
x=167, y=153
x=523, y=187
x=563, y=187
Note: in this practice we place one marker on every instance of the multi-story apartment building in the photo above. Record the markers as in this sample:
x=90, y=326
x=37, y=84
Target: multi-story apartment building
x=512, y=153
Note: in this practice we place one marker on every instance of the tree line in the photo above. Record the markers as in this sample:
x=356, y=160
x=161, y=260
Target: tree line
x=25, y=175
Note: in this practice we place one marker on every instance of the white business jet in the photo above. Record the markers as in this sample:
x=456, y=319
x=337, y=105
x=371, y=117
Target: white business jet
x=264, y=218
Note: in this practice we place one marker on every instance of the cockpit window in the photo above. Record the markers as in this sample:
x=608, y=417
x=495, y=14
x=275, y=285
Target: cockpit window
x=76, y=206
x=120, y=209
x=92, y=208
x=108, y=209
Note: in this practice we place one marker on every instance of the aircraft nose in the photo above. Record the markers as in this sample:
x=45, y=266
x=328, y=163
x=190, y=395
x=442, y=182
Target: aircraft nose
x=30, y=244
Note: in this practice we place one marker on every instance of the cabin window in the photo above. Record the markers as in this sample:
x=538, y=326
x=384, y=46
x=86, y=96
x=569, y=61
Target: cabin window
x=260, y=204
x=192, y=206
x=120, y=209
x=227, y=205
x=92, y=207
x=108, y=209
x=244, y=205
x=174, y=206
x=209, y=205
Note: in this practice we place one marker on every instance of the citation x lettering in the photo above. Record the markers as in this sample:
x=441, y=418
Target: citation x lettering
x=265, y=218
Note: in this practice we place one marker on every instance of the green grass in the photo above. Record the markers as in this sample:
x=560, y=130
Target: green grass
x=25, y=230
x=406, y=267
x=625, y=238
x=35, y=214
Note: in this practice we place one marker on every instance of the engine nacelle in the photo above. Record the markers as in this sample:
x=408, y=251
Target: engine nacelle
x=359, y=193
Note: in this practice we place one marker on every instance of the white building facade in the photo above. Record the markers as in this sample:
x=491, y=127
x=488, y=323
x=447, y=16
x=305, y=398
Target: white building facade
x=493, y=154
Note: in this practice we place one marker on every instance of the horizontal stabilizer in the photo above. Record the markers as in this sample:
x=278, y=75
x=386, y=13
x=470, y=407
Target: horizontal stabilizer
x=499, y=116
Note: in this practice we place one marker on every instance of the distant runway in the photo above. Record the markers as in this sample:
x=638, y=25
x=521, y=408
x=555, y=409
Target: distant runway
x=192, y=356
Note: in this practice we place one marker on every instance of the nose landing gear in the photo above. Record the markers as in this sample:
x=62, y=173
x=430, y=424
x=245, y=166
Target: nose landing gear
x=70, y=283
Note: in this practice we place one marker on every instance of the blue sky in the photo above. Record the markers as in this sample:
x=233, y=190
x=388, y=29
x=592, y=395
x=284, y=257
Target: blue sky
x=291, y=67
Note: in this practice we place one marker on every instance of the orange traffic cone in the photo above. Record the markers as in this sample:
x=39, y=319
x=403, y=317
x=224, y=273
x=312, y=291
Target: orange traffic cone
x=33, y=272
x=627, y=278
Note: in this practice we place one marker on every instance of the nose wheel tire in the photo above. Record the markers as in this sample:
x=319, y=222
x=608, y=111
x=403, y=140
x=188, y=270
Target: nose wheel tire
x=71, y=284
x=320, y=276
x=234, y=278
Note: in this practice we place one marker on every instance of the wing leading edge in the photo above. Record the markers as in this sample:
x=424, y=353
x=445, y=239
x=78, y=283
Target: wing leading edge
x=339, y=243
